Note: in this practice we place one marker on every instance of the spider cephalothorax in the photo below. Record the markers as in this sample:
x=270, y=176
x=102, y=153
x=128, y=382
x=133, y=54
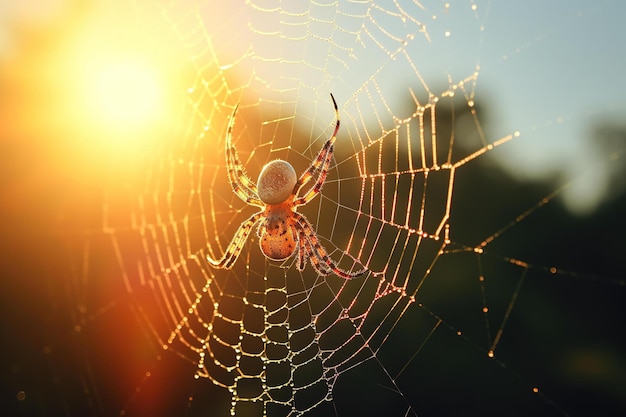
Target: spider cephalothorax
x=281, y=229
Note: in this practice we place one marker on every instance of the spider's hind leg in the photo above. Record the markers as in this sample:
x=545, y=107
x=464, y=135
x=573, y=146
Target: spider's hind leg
x=319, y=167
x=240, y=183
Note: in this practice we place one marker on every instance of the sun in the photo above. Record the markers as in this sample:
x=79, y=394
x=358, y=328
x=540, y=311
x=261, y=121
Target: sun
x=125, y=94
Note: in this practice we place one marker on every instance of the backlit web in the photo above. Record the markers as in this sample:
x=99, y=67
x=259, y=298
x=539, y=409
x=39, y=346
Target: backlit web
x=435, y=322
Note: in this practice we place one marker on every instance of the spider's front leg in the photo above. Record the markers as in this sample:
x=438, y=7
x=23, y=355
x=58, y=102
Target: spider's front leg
x=304, y=253
x=236, y=244
x=315, y=252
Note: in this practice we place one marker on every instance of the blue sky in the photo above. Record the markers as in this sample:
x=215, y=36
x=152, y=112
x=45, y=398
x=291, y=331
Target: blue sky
x=563, y=72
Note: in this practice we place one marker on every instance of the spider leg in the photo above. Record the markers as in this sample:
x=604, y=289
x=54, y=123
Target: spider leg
x=305, y=252
x=315, y=167
x=302, y=251
x=319, y=265
x=319, y=166
x=320, y=260
x=236, y=244
x=241, y=184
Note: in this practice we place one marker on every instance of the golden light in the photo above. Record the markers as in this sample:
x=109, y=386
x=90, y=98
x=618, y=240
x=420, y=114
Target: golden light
x=125, y=94
x=120, y=84
x=94, y=88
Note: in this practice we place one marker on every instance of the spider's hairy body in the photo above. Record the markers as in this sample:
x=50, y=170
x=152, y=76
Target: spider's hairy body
x=277, y=234
x=276, y=182
x=281, y=230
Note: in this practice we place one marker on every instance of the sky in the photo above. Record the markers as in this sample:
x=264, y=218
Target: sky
x=551, y=70
x=556, y=68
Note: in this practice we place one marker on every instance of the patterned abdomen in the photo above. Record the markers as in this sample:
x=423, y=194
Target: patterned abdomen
x=276, y=234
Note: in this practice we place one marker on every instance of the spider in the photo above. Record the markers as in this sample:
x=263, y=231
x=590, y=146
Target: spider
x=282, y=231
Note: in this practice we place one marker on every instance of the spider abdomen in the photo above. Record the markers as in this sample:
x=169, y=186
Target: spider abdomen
x=276, y=182
x=281, y=230
x=277, y=240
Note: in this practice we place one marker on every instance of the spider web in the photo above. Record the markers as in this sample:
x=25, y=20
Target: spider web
x=449, y=317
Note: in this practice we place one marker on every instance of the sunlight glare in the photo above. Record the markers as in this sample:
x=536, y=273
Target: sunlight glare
x=125, y=94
